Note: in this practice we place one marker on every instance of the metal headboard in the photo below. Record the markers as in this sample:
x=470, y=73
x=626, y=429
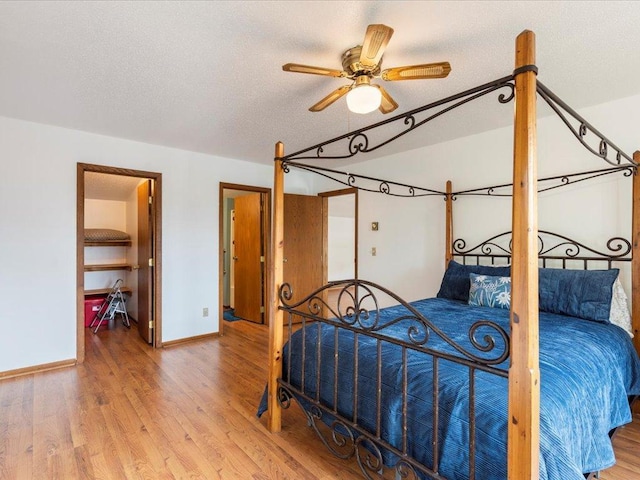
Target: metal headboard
x=553, y=249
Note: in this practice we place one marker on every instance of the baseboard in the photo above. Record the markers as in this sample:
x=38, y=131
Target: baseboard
x=180, y=341
x=45, y=367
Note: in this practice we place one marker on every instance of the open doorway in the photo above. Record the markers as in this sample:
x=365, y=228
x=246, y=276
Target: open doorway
x=341, y=237
x=245, y=213
x=128, y=202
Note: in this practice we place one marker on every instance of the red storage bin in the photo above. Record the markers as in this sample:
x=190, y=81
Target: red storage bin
x=91, y=308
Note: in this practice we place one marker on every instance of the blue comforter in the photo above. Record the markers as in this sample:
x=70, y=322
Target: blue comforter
x=587, y=371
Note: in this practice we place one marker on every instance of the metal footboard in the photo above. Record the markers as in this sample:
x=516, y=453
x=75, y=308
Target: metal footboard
x=315, y=328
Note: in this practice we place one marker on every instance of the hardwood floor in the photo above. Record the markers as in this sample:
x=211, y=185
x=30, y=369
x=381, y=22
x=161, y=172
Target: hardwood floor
x=626, y=444
x=188, y=411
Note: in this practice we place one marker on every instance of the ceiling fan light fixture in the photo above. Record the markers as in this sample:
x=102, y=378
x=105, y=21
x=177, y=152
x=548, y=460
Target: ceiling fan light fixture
x=361, y=64
x=363, y=97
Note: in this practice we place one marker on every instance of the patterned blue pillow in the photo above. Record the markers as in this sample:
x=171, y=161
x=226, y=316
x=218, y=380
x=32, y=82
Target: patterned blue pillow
x=488, y=291
x=455, y=283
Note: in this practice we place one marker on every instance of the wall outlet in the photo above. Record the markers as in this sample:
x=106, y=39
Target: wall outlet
x=205, y=312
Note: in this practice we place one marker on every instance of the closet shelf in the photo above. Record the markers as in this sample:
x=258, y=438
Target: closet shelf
x=109, y=243
x=105, y=291
x=107, y=266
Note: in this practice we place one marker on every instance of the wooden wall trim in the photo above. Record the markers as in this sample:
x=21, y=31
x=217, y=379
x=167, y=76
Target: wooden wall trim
x=524, y=371
x=157, y=266
x=44, y=367
x=80, y=353
x=337, y=193
x=195, y=338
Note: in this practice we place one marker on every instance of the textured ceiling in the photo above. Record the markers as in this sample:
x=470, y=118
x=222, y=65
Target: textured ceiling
x=102, y=186
x=207, y=77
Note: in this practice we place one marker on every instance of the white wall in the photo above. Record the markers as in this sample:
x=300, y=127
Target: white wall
x=341, y=236
x=38, y=236
x=105, y=214
x=341, y=244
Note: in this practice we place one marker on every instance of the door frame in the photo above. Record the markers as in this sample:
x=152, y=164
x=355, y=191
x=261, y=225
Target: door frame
x=325, y=228
x=157, y=270
x=266, y=223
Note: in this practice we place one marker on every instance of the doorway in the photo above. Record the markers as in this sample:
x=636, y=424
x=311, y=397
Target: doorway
x=340, y=238
x=244, y=243
x=146, y=197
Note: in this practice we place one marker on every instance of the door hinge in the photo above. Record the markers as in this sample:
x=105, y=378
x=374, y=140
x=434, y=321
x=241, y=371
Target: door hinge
x=151, y=262
x=150, y=324
x=150, y=199
x=261, y=258
x=262, y=309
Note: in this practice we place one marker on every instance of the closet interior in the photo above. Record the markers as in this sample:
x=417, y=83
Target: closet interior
x=110, y=244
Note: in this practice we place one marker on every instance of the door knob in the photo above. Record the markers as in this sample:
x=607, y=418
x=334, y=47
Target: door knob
x=235, y=258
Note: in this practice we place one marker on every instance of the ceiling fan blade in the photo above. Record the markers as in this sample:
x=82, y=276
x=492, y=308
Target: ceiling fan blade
x=329, y=99
x=375, y=42
x=416, y=72
x=297, y=68
x=387, y=104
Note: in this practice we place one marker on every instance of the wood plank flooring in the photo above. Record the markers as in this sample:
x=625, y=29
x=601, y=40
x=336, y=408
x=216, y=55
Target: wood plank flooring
x=189, y=411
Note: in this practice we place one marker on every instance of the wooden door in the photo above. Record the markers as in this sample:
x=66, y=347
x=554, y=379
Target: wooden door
x=145, y=315
x=303, y=244
x=248, y=258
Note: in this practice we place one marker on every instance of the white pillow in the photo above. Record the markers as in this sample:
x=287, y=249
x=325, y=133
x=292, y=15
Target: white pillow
x=619, y=314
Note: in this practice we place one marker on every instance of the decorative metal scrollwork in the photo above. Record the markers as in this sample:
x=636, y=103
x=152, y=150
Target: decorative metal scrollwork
x=358, y=310
x=362, y=146
x=485, y=248
x=502, y=98
x=366, y=183
x=488, y=340
x=342, y=441
x=346, y=440
x=584, y=129
x=618, y=248
x=548, y=183
x=359, y=141
x=369, y=457
x=284, y=397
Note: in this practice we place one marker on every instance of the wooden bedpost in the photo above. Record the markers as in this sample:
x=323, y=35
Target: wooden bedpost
x=448, y=248
x=524, y=370
x=635, y=269
x=275, y=315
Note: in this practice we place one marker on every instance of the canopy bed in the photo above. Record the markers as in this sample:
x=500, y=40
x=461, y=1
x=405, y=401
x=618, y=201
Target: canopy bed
x=428, y=389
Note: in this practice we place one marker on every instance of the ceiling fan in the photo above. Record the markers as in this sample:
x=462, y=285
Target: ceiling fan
x=361, y=64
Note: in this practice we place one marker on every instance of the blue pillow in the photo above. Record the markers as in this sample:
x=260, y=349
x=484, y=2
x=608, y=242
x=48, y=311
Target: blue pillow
x=487, y=291
x=577, y=293
x=455, y=283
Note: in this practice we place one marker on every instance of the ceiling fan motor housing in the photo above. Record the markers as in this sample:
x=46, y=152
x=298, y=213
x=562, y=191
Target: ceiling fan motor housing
x=351, y=63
